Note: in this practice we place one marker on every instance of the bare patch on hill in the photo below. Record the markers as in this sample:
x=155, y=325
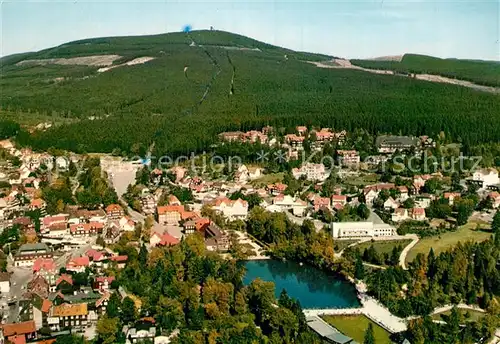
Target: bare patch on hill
x=394, y=58
x=96, y=60
x=346, y=64
x=139, y=60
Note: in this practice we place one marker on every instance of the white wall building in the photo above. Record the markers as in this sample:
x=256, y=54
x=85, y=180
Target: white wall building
x=313, y=172
x=486, y=177
x=4, y=282
x=361, y=230
x=232, y=210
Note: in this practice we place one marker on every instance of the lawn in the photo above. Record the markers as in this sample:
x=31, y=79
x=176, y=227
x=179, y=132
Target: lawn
x=383, y=246
x=268, y=179
x=472, y=315
x=365, y=179
x=448, y=240
x=355, y=327
x=340, y=245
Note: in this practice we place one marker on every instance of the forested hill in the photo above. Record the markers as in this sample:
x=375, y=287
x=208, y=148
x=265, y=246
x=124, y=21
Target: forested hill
x=180, y=90
x=480, y=72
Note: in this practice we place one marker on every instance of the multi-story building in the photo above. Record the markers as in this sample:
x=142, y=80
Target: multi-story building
x=46, y=268
x=114, y=211
x=74, y=316
x=485, y=177
x=313, y=172
x=361, y=230
x=86, y=229
x=29, y=253
x=348, y=157
x=391, y=144
x=170, y=214
x=148, y=204
x=232, y=210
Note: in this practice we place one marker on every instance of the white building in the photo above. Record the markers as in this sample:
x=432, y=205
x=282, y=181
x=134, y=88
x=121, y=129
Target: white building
x=245, y=174
x=390, y=203
x=282, y=203
x=4, y=282
x=313, y=172
x=348, y=157
x=400, y=214
x=232, y=210
x=486, y=177
x=361, y=230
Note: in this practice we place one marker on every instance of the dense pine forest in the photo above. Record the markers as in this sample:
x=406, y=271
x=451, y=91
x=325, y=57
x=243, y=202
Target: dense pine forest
x=479, y=72
x=190, y=92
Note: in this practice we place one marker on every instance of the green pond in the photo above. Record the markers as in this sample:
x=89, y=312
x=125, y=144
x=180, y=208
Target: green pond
x=312, y=287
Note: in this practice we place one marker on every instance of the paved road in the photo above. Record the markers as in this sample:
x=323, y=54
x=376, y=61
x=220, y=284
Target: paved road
x=404, y=253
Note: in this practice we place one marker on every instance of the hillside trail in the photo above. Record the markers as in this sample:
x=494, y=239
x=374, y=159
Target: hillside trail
x=346, y=64
x=215, y=74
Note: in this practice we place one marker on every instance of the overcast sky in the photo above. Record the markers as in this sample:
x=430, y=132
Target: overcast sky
x=462, y=29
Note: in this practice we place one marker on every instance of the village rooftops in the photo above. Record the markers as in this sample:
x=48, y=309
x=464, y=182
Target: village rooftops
x=44, y=264
x=33, y=248
x=66, y=310
x=21, y=328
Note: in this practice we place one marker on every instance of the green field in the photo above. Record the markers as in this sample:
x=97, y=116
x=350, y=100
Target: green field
x=222, y=90
x=480, y=72
x=448, y=240
x=473, y=315
x=383, y=246
x=366, y=179
x=267, y=179
x=355, y=327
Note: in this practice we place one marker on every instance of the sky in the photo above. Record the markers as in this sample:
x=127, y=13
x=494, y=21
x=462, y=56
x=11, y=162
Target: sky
x=348, y=28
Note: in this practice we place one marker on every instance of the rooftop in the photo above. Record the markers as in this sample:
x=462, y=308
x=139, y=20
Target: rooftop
x=65, y=310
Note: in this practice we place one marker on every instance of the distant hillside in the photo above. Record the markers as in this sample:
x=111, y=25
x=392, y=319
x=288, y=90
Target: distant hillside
x=179, y=91
x=480, y=72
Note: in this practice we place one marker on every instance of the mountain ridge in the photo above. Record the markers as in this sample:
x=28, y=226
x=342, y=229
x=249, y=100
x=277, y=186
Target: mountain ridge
x=190, y=92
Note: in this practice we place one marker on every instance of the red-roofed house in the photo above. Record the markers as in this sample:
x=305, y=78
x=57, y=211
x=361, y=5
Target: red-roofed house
x=173, y=200
x=321, y=202
x=165, y=239
x=495, y=197
x=201, y=224
x=86, y=229
x=25, y=329
x=103, y=283
x=64, y=279
x=120, y=261
x=418, y=214
x=301, y=130
x=37, y=203
x=170, y=214
x=451, y=196
x=276, y=189
x=339, y=199
x=46, y=268
x=114, y=211
x=78, y=264
x=49, y=221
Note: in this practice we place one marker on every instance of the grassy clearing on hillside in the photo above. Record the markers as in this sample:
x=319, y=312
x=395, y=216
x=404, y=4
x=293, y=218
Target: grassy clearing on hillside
x=356, y=326
x=366, y=179
x=32, y=119
x=383, y=246
x=447, y=240
x=472, y=315
x=268, y=179
x=340, y=245
x=480, y=72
